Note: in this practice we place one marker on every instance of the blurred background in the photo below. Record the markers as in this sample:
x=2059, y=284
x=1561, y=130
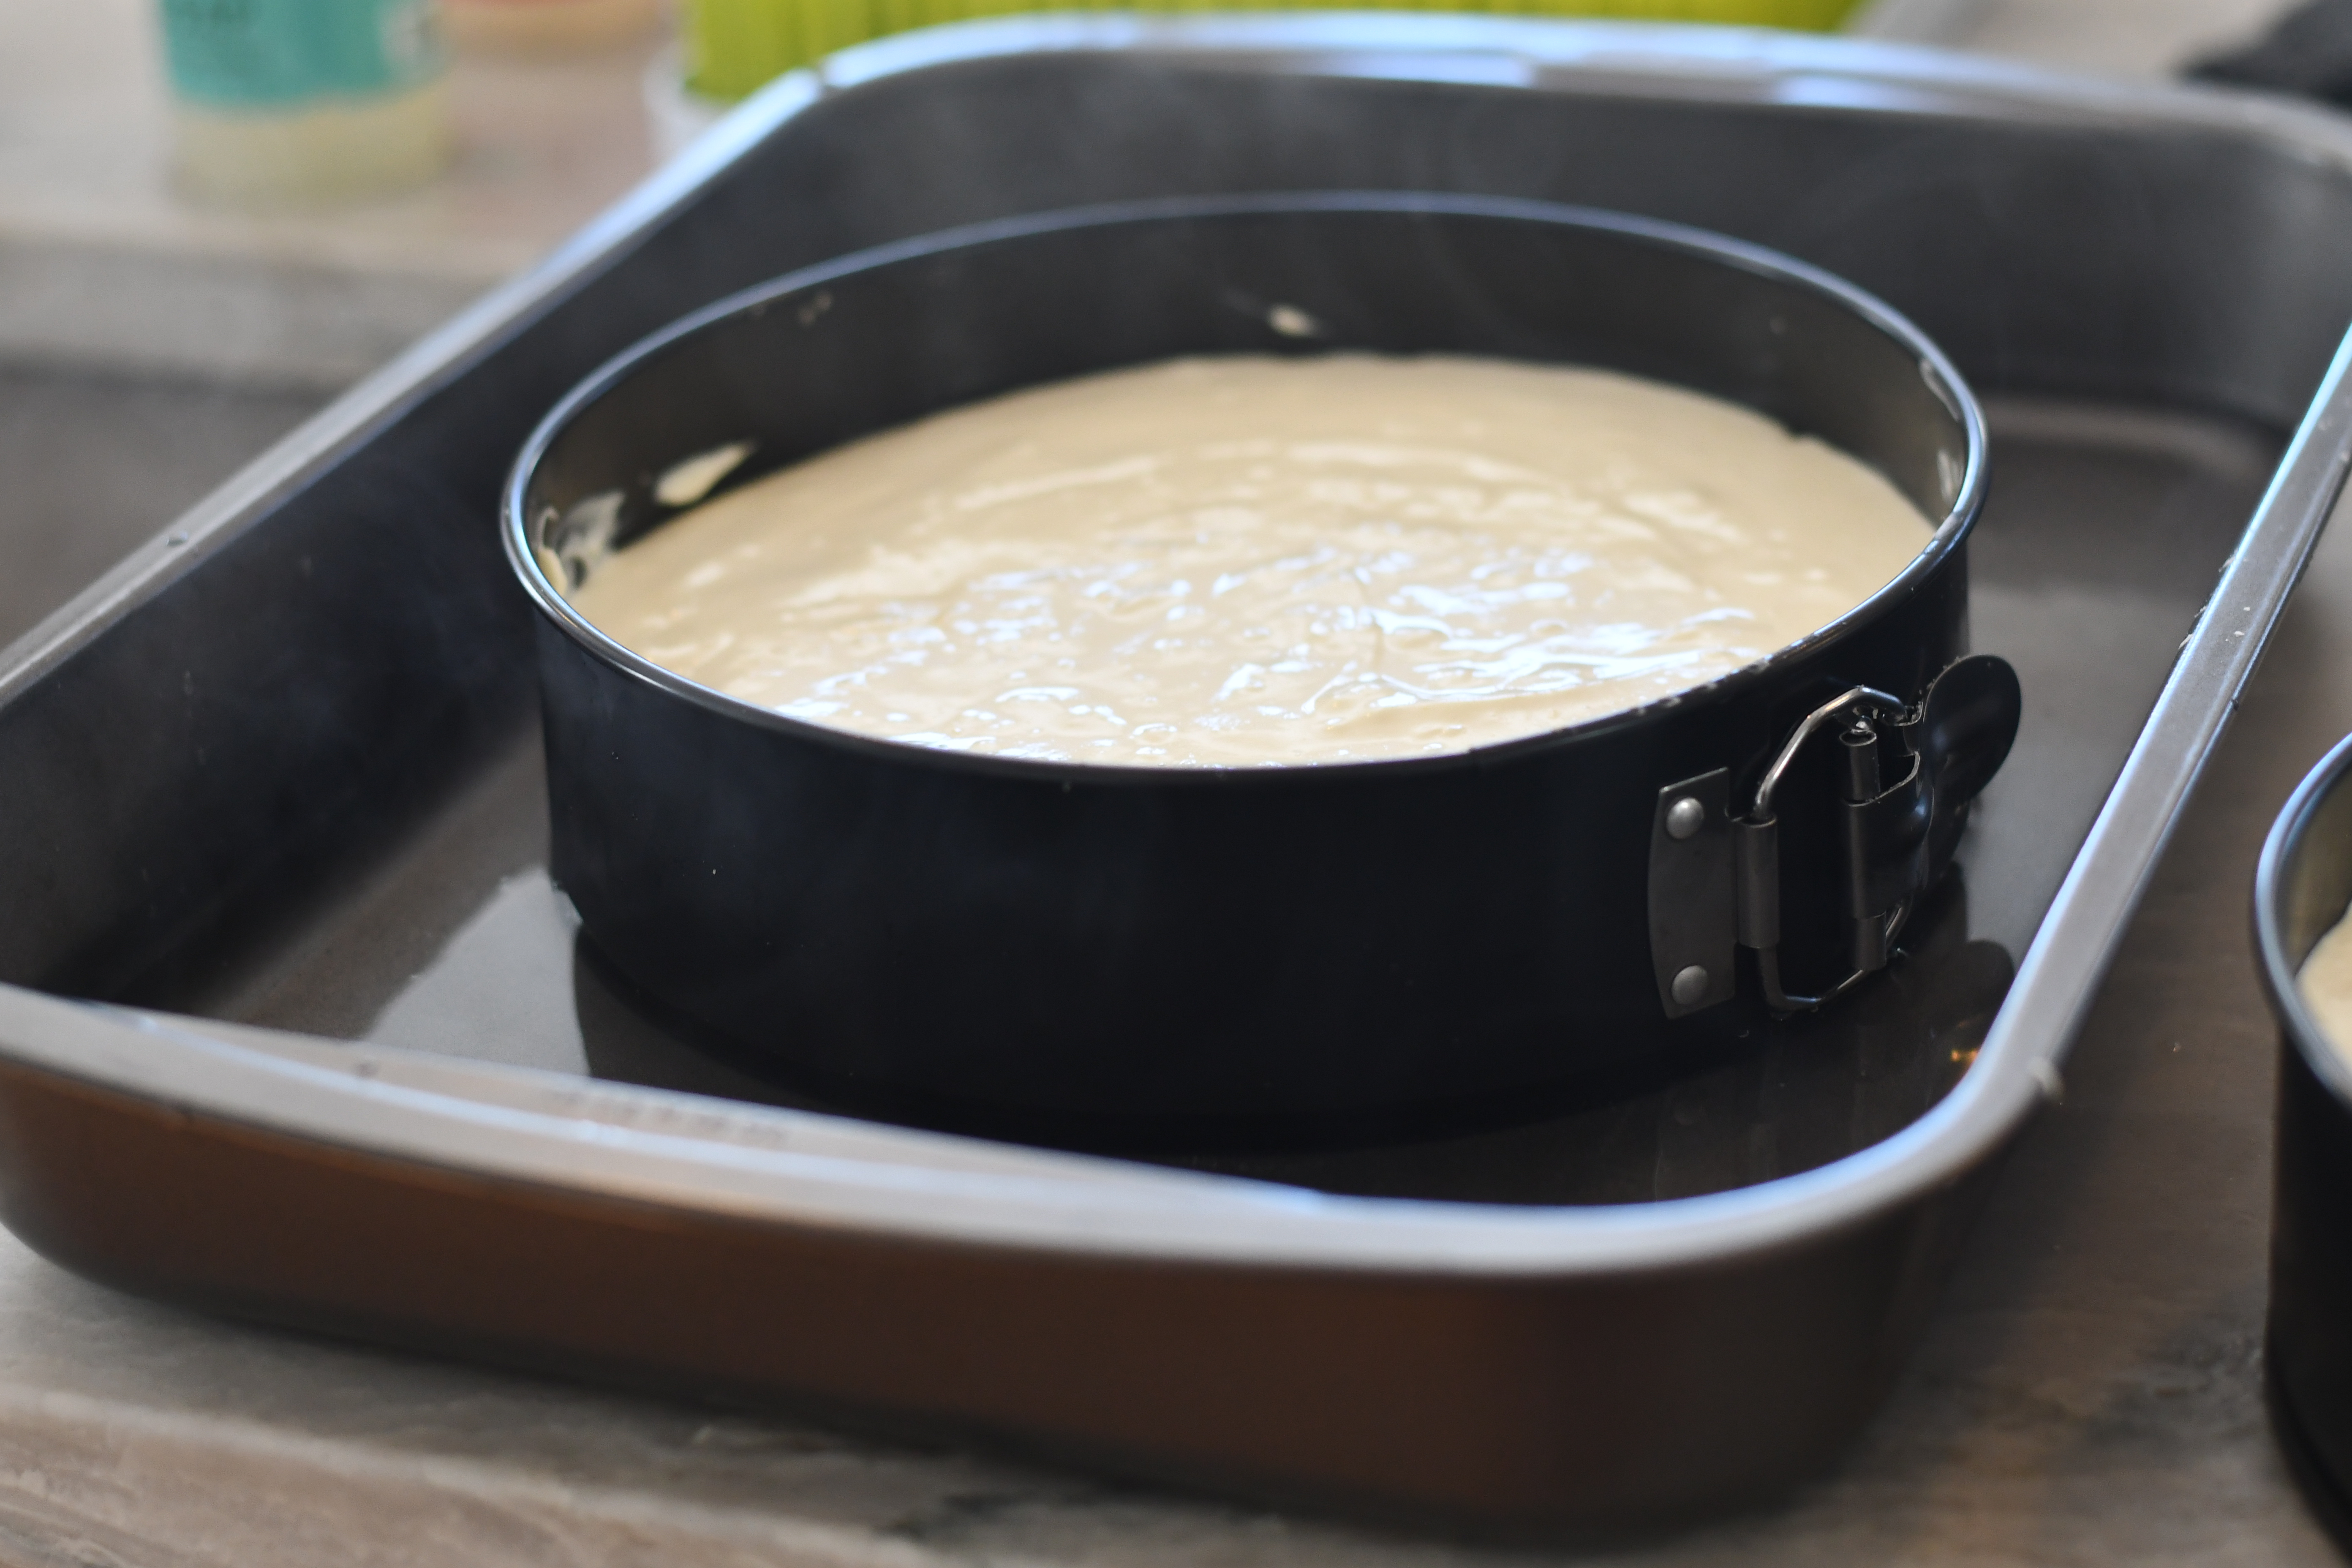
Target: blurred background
x=214, y=215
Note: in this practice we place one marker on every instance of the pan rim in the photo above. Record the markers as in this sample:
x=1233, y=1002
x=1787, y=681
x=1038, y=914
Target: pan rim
x=1946, y=534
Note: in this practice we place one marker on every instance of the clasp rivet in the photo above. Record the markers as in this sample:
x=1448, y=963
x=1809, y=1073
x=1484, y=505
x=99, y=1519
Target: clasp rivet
x=1684, y=817
x=1690, y=987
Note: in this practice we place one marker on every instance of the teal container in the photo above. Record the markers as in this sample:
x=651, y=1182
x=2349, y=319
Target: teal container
x=305, y=102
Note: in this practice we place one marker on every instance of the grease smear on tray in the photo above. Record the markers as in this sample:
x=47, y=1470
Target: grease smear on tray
x=1244, y=561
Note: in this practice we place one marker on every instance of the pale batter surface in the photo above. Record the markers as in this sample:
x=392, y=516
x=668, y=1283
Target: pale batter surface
x=1245, y=561
x=2326, y=982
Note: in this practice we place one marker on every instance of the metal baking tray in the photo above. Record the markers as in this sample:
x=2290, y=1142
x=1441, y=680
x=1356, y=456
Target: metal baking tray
x=271, y=809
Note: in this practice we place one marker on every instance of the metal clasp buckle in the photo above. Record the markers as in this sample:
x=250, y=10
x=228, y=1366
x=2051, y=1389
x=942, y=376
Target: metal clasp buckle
x=1909, y=774
x=1879, y=818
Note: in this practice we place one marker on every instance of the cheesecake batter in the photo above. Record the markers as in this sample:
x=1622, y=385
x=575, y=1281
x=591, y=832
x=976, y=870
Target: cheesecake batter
x=2326, y=982
x=1249, y=561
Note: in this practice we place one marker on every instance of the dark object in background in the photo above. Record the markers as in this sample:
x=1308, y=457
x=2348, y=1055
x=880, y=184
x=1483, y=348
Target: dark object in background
x=2308, y=52
x=947, y=938
x=2301, y=887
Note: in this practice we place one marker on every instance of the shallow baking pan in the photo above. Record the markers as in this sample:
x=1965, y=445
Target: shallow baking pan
x=274, y=813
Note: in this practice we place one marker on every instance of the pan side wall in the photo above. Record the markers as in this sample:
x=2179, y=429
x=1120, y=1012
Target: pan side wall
x=1234, y=947
x=1537, y=1404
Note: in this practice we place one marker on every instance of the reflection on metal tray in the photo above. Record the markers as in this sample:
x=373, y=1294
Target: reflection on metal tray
x=285, y=776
